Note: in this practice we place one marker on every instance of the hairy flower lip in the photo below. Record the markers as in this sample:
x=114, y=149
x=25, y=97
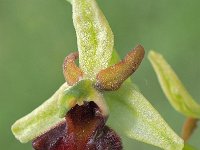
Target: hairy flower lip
x=84, y=129
x=56, y=130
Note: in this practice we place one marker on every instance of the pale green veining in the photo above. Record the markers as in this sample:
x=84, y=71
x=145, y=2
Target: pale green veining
x=173, y=88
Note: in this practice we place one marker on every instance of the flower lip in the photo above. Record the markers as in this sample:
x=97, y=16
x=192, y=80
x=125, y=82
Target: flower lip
x=84, y=129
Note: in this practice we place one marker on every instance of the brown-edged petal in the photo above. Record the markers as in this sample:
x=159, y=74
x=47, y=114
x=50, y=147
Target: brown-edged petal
x=71, y=72
x=84, y=129
x=112, y=77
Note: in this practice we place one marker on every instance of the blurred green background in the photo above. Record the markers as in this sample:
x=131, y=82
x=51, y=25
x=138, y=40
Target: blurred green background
x=36, y=35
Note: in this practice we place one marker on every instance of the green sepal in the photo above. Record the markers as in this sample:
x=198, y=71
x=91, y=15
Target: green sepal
x=94, y=37
x=133, y=116
x=40, y=120
x=173, y=88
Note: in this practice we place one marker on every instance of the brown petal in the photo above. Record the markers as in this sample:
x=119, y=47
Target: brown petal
x=71, y=72
x=112, y=77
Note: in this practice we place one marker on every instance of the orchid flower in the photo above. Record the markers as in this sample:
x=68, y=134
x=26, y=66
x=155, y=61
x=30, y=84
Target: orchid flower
x=100, y=83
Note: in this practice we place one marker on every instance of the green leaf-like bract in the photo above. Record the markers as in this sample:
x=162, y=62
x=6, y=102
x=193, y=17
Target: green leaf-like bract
x=173, y=88
x=94, y=37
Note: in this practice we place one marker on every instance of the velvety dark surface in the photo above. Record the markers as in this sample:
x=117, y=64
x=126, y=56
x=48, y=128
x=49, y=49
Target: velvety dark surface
x=84, y=129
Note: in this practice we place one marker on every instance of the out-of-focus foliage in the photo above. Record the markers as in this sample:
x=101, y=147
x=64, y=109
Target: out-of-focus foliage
x=173, y=88
x=36, y=35
x=189, y=147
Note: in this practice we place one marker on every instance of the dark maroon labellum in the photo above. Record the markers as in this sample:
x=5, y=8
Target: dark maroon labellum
x=84, y=129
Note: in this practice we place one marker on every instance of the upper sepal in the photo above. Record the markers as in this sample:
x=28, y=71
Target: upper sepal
x=94, y=37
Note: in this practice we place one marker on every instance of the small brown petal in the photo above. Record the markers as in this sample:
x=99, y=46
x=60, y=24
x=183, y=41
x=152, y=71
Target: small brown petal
x=71, y=72
x=112, y=77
